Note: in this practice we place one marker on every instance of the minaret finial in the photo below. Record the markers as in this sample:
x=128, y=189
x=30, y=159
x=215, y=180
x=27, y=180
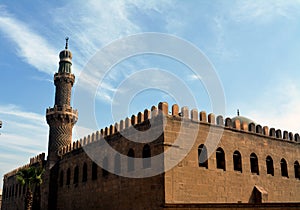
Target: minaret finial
x=67, y=40
x=238, y=112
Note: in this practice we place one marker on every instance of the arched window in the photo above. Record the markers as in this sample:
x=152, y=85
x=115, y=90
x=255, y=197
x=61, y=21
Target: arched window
x=117, y=163
x=297, y=170
x=130, y=163
x=237, y=161
x=76, y=175
x=254, y=164
x=94, y=171
x=220, y=156
x=61, y=178
x=284, y=170
x=68, y=176
x=146, y=156
x=202, y=156
x=105, y=166
x=270, y=166
x=84, y=172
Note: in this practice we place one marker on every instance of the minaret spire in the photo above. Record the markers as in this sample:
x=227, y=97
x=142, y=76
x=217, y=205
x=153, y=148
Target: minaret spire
x=67, y=40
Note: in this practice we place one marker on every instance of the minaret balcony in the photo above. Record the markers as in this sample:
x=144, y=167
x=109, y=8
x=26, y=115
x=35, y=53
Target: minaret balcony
x=61, y=110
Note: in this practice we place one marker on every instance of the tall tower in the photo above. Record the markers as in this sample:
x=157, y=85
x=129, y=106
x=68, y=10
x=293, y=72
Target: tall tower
x=61, y=118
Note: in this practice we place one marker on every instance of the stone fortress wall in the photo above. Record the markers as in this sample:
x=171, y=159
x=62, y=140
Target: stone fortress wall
x=237, y=172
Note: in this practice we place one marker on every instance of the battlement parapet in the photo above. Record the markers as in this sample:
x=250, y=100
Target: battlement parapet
x=39, y=159
x=199, y=117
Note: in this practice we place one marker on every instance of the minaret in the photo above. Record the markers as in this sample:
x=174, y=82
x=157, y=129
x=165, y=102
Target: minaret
x=61, y=118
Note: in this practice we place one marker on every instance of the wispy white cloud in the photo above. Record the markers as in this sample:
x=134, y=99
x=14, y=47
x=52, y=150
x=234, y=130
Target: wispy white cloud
x=24, y=134
x=30, y=46
x=264, y=11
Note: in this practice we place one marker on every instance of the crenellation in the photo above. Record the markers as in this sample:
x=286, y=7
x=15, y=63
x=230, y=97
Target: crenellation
x=258, y=129
x=272, y=132
x=127, y=122
x=163, y=107
x=134, y=120
x=236, y=124
x=175, y=110
x=244, y=126
x=106, y=131
x=98, y=135
x=89, y=139
x=93, y=137
x=117, y=127
x=278, y=134
x=154, y=111
x=220, y=120
x=297, y=138
x=122, y=125
x=266, y=130
x=228, y=122
x=140, y=117
x=185, y=112
x=202, y=116
x=84, y=141
x=147, y=114
x=285, y=135
x=211, y=119
x=194, y=115
x=111, y=130
x=63, y=150
x=291, y=136
x=70, y=148
x=251, y=127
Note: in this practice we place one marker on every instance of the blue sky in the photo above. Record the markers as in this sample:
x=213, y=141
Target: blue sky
x=253, y=45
